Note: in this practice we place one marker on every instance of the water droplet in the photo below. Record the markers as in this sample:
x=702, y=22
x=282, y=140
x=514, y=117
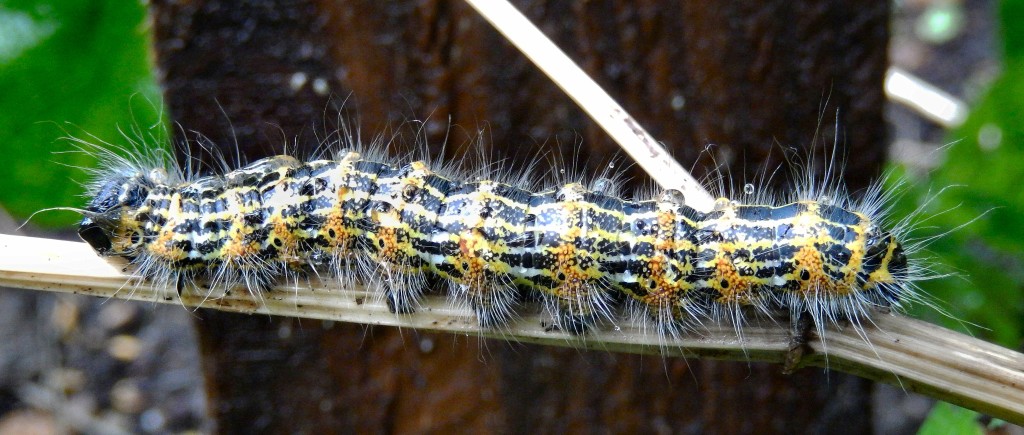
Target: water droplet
x=603, y=185
x=158, y=175
x=611, y=165
x=748, y=189
x=674, y=196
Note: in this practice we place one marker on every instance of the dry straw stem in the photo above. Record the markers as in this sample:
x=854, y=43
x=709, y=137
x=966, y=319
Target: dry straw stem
x=915, y=355
x=605, y=111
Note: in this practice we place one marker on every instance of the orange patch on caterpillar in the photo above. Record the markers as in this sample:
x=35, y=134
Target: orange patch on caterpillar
x=236, y=249
x=285, y=240
x=571, y=277
x=388, y=244
x=730, y=284
x=335, y=231
x=472, y=265
x=662, y=290
x=810, y=273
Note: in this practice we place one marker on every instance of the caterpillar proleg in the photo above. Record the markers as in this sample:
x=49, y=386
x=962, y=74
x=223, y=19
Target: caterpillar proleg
x=579, y=247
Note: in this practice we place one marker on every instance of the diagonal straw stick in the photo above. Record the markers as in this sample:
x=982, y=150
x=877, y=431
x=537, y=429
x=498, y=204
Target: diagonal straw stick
x=607, y=113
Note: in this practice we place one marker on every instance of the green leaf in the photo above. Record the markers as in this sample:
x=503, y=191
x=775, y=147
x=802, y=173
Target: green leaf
x=67, y=67
x=1010, y=13
x=946, y=419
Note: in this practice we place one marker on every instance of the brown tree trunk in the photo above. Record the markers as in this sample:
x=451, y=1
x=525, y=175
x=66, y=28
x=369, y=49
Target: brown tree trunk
x=746, y=76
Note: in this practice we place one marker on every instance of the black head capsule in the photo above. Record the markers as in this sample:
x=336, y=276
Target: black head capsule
x=898, y=262
x=100, y=228
x=885, y=266
x=95, y=236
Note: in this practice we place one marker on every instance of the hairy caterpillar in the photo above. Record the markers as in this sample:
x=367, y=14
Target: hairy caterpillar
x=580, y=249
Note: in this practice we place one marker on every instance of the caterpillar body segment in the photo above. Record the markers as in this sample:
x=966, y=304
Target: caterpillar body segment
x=579, y=250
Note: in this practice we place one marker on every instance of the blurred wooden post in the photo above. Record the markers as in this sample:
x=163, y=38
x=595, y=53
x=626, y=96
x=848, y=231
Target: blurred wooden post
x=745, y=76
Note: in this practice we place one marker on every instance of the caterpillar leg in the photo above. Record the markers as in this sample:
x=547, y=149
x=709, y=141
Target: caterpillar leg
x=799, y=335
x=577, y=306
x=493, y=303
x=400, y=287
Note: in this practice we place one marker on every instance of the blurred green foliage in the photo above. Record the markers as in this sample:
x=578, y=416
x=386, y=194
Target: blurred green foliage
x=984, y=169
x=946, y=419
x=67, y=67
x=987, y=166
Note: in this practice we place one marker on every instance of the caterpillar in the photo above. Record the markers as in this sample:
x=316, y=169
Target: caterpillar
x=580, y=248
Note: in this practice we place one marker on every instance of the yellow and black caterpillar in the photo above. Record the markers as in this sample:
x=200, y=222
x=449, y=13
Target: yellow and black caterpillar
x=581, y=250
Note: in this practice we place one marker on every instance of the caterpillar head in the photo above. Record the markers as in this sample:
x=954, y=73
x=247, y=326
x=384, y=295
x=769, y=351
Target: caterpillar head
x=885, y=264
x=107, y=226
